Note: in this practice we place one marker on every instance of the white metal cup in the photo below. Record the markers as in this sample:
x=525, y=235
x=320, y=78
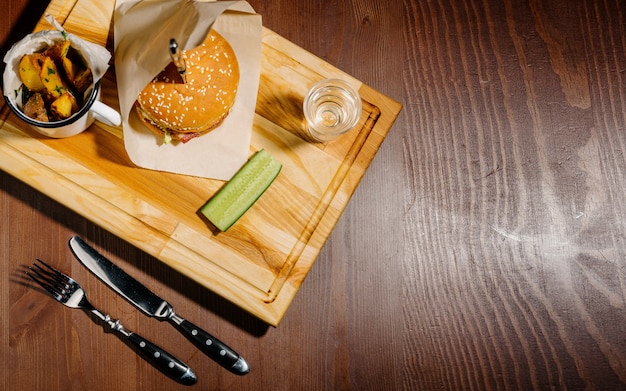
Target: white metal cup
x=92, y=109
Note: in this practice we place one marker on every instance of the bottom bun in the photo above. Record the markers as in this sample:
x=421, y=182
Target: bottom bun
x=168, y=134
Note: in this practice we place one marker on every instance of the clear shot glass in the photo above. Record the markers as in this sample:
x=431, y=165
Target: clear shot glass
x=331, y=107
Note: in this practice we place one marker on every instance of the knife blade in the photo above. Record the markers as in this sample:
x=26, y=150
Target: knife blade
x=154, y=306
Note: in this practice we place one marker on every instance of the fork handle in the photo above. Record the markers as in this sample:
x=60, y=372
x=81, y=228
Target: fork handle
x=156, y=356
x=164, y=361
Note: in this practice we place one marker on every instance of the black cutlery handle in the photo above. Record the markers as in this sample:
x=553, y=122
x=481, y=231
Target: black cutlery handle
x=164, y=361
x=214, y=348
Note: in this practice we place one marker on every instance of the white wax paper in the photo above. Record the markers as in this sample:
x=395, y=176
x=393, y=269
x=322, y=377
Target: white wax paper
x=142, y=33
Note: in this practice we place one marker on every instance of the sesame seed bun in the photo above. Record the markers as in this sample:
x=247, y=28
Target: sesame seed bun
x=170, y=107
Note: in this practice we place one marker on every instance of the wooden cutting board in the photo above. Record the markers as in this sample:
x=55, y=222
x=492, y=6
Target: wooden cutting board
x=260, y=263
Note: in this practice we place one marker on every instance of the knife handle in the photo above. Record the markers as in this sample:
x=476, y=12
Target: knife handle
x=163, y=361
x=213, y=347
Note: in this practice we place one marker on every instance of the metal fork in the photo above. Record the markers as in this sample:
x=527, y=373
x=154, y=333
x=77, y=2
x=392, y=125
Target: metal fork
x=69, y=292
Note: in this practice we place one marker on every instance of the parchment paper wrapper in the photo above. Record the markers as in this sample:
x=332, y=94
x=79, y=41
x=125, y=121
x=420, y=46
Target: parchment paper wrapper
x=96, y=57
x=142, y=33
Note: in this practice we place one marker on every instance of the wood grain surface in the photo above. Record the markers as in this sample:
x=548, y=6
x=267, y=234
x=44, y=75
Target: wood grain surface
x=484, y=248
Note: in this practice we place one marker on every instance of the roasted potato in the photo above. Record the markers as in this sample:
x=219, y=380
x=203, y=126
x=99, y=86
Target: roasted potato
x=70, y=69
x=83, y=80
x=64, y=106
x=51, y=78
x=59, y=76
x=29, y=69
x=58, y=50
x=35, y=108
x=77, y=72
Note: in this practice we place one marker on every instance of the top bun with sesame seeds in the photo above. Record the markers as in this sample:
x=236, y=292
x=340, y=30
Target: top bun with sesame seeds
x=181, y=111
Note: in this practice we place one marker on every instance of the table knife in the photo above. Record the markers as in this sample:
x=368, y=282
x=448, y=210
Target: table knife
x=152, y=305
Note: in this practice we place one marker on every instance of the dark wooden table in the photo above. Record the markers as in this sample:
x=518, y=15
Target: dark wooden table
x=484, y=249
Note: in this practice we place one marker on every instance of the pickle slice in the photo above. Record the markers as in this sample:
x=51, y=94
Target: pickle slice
x=242, y=191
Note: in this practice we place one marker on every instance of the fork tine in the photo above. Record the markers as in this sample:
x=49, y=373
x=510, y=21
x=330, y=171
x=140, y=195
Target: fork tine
x=44, y=282
x=51, y=279
x=48, y=266
x=54, y=275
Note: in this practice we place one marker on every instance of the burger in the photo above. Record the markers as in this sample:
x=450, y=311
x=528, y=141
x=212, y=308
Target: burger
x=181, y=107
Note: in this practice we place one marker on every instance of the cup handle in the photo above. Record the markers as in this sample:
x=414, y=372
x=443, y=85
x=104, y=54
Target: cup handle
x=105, y=114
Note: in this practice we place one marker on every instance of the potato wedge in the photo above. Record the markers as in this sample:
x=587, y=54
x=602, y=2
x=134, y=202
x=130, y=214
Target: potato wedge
x=83, y=80
x=64, y=106
x=51, y=78
x=76, y=71
x=70, y=68
x=35, y=108
x=29, y=70
x=58, y=50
